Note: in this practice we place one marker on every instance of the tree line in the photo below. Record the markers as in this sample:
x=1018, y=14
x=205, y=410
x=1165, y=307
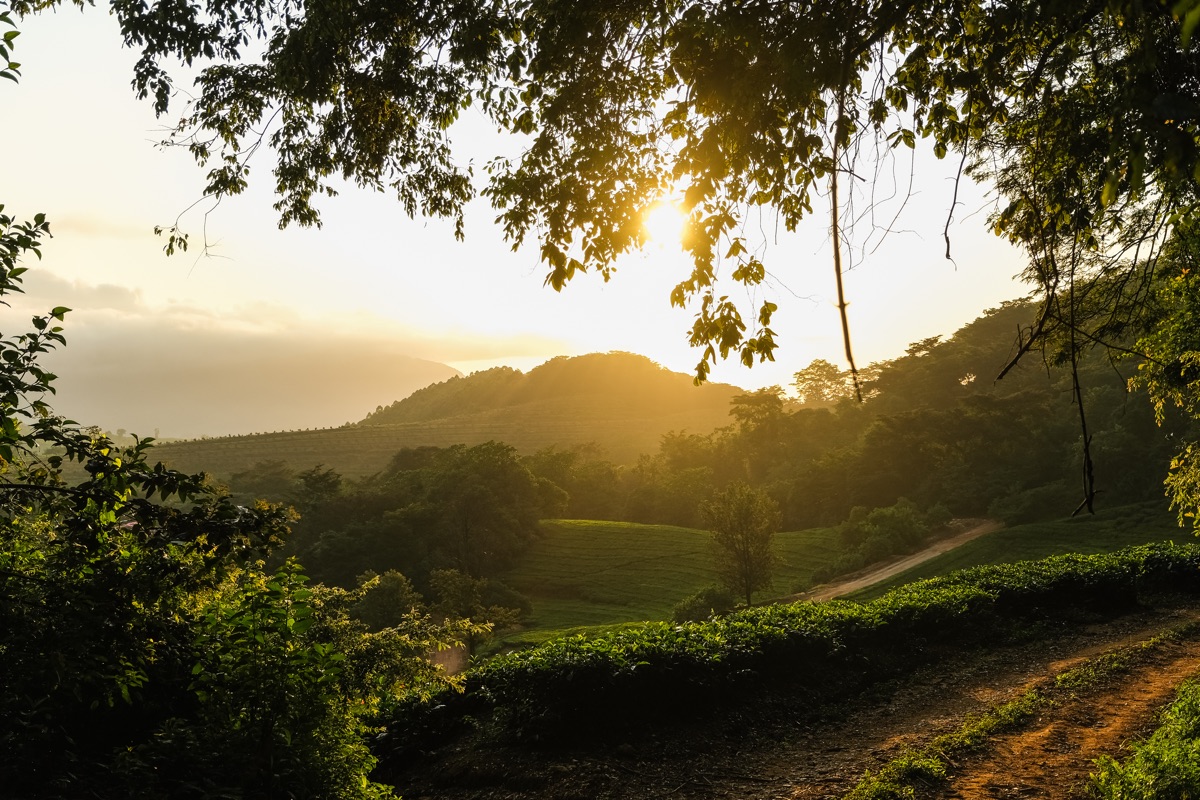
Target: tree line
x=930, y=441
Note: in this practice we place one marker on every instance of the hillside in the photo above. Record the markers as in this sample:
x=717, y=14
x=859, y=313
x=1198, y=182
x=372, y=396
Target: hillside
x=617, y=386
x=621, y=401
x=585, y=573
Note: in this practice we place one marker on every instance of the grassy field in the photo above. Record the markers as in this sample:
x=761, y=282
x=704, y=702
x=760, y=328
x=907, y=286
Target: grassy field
x=1108, y=530
x=586, y=573
x=592, y=576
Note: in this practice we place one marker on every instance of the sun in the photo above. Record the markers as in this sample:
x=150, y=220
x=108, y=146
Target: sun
x=664, y=223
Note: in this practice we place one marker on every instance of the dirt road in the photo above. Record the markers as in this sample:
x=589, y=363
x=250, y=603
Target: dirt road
x=875, y=574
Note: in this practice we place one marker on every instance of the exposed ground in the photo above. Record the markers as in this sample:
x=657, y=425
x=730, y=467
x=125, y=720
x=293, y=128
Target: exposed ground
x=785, y=748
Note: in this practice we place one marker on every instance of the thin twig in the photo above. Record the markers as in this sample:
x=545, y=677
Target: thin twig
x=836, y=233
x=954, y=202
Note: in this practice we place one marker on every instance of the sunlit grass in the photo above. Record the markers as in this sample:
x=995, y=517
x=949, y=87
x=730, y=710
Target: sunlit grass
x=588, y=573
x=1104, y=532
x=588, y=576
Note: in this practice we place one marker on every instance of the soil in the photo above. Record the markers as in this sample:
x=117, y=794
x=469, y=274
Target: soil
x=786, y=748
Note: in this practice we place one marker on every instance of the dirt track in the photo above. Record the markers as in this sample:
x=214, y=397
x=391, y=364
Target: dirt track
x=873, y=575
x=783, y=751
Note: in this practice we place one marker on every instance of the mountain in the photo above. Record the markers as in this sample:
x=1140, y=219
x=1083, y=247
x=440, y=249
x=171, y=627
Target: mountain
x=612, y=385
x=623, y=402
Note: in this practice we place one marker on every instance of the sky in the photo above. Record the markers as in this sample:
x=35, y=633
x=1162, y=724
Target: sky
x=308, y=328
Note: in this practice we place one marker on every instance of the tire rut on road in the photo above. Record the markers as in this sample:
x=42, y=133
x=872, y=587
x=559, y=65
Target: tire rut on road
x=1054, y=756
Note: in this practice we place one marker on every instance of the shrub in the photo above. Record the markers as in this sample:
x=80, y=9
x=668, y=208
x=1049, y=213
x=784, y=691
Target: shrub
x=576, y=684
x=708, y=602
x=1165, y=767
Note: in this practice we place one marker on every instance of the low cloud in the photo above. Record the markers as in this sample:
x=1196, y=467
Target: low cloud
x=97, y=225
x=187, y=371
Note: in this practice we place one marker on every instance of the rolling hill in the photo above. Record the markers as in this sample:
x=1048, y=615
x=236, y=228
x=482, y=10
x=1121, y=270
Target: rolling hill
x=621, y=401
x=583, y=573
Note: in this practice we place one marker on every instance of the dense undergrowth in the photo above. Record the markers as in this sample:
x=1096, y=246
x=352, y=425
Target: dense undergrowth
x=580, y=687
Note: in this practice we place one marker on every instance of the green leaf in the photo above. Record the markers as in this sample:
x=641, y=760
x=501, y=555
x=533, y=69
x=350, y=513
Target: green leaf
x=1190, y=20
x=1111, y=186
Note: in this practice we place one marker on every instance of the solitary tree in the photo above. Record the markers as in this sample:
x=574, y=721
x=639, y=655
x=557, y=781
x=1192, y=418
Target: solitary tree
x=743, y=521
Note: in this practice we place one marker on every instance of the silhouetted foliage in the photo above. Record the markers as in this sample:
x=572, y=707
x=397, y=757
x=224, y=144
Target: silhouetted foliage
x=146, y=650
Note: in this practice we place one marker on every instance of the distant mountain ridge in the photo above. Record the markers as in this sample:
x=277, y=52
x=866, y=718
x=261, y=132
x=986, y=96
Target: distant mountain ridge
x=622, y=402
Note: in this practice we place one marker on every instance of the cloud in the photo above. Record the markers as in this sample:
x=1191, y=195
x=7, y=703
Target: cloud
x=189, y=371
x=44, y=290
x=88, y=224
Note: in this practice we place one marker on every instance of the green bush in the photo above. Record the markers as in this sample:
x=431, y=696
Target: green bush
x=1165, y=767
x=146, y=651
x=709, y=602
x=877, y=534
x=573, y=685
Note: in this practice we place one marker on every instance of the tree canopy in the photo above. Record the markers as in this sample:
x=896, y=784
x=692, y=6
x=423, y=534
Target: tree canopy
x=1084, y=118
x=1083, y=115
x=743, y=521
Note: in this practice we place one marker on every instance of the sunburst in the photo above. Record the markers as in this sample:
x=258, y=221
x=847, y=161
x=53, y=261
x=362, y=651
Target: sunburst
x=664, y=223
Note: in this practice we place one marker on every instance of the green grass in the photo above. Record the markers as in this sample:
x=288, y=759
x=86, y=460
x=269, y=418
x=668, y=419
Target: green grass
x=1164, y=767
x=592, y=577
x=593, y=573
x=1104, y=532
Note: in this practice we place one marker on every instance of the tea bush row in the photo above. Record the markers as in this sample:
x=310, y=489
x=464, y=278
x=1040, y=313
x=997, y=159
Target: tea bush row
x=583, y=685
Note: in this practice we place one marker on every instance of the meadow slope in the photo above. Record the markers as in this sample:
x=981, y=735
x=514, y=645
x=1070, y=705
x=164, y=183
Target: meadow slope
x=593, y=574
x=589, y=573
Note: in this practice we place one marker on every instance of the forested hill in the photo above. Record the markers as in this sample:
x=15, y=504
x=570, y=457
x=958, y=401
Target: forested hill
x=622, y=402
x=610, y=386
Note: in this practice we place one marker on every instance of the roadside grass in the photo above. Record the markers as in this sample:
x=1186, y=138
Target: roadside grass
x=1167, y=765
x=1103, y=532
x=918, y=769
x=588, y=573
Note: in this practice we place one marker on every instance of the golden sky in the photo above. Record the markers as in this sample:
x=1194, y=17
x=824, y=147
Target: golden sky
x=373, y=285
